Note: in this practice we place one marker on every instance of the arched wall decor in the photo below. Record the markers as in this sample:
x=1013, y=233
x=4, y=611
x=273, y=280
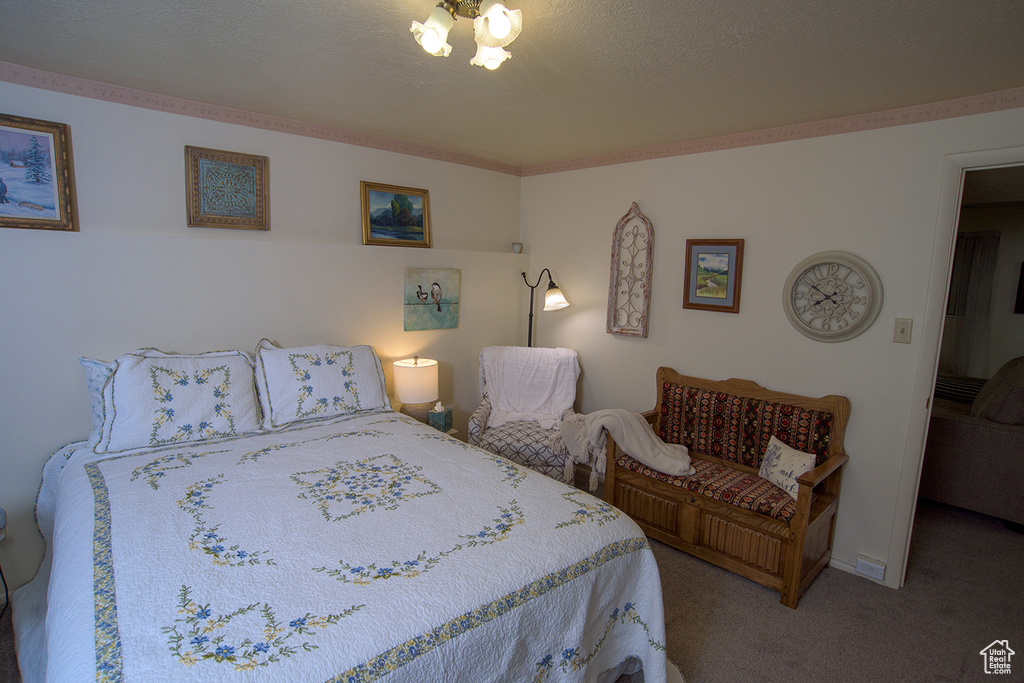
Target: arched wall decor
x=629, y=293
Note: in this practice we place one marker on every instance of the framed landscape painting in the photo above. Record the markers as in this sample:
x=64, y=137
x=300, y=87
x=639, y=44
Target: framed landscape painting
x=395, y=216
x=714, y=270
x=35, y=174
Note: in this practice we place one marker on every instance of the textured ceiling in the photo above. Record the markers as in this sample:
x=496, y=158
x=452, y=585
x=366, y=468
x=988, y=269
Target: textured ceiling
x=587, y=77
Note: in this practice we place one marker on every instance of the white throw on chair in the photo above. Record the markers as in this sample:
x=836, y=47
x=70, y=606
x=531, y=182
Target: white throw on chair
x=526, y=393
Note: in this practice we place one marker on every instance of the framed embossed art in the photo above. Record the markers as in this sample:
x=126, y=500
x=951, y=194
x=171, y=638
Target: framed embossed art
x=227, y=189
x=35, y=175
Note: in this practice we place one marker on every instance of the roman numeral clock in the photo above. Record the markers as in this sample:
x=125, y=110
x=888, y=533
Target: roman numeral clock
x=832, y=296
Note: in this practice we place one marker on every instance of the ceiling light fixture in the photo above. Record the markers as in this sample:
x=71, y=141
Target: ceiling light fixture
x=494, y=27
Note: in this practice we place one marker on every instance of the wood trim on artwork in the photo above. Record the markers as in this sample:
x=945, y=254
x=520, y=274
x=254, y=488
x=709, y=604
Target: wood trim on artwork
x=211, y=206
x=691, y=294
x=28, y=211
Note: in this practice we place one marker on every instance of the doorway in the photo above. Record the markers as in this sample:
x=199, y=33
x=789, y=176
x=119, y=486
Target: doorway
x=955, y=168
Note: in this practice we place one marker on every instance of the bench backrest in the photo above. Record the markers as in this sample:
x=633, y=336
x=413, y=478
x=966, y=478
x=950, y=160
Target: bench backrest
x=734, y=419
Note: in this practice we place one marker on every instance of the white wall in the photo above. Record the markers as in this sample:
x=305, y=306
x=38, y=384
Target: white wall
x=136, y=276
x=878, y=194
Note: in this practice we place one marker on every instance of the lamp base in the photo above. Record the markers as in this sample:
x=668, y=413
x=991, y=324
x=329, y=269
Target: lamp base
x=417, y=411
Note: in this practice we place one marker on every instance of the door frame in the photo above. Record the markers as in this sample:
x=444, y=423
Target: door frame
x=953, y=170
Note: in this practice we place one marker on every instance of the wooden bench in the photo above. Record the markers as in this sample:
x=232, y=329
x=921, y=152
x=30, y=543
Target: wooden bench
x=725, y=513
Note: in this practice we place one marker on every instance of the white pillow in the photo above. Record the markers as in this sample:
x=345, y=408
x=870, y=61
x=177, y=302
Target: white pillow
x=154, y=398
x=96, y=374
x=313, y=382
x=782, y=465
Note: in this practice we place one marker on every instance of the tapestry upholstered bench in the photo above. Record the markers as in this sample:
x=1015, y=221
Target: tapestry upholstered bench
x=726, y=513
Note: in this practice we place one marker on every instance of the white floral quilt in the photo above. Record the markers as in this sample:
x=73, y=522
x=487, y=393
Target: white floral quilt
x=363, y=548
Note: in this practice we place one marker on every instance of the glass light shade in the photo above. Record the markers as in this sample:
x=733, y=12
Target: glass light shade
x=416, y=380
x=490, y=57
x=554, y=299
x=432, y=35
x=497, y=26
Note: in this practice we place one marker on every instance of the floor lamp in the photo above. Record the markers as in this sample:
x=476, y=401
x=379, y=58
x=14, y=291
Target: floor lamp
x=553, y=300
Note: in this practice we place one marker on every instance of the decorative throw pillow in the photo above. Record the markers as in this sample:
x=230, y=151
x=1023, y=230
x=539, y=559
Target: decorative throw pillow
x=154, y=398
x=782, y=465
x=313, y=382
x=1002, y=397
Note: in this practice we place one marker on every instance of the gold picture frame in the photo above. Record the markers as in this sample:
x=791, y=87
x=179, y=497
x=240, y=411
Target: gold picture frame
x=395, y=216
x=36, y=182
x=227, y=189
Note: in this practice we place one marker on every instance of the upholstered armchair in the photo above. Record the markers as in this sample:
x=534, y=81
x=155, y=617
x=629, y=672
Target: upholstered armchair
x=525, y=395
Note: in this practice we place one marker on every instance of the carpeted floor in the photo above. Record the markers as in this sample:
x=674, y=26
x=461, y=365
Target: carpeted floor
x=964, y=590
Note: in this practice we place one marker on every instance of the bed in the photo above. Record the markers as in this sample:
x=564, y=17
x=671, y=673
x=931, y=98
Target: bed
x=344, y=542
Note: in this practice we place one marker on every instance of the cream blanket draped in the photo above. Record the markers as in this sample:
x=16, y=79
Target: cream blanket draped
x=523, y=383
x=585, y=437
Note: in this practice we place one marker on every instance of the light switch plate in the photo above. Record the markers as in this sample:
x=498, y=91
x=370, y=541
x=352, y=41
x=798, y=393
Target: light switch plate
x=902, y=331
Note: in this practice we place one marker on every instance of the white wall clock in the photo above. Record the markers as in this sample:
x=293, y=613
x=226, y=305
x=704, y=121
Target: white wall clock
x=832, y=296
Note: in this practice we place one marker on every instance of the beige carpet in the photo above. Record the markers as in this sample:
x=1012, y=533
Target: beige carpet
x=964, y=589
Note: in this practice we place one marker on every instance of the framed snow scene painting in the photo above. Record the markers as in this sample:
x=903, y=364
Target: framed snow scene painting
x=35, y=174
x=395, y=216
x=714, y=269
x=431, y=298
x=227, y=189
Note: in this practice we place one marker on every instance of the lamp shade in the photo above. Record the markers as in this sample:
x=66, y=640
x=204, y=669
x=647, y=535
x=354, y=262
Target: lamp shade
x=497, y=26
x=432, y=35
x=554, y=299
x=416, y=380
x=490, y=57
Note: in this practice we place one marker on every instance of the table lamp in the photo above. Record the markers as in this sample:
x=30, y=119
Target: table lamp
x=416, y=386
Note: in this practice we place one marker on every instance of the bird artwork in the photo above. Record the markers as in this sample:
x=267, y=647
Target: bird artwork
x=435, y=294
x=420, y=294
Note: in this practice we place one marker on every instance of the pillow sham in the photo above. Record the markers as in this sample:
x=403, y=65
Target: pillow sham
x=782, y=465
x=154, y=398
x=96, y=374
x=319, y=381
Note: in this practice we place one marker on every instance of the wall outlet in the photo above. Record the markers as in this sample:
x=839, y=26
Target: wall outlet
x=870, y=568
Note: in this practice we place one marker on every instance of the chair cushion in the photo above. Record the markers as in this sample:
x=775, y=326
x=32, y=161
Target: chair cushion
x=529, y=444
x=746, y=491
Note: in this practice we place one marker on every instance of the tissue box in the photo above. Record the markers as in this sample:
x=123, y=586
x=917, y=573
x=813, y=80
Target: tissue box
x=440, y=420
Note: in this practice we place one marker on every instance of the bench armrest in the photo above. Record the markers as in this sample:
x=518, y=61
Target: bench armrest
x=814, y=477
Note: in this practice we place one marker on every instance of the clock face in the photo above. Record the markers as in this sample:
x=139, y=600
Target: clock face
x=832, y=296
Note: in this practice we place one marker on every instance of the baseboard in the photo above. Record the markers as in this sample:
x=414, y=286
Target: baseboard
x=848, y=566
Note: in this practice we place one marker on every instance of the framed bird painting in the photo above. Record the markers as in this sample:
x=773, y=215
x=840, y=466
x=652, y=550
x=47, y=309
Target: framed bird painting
x=432, y=298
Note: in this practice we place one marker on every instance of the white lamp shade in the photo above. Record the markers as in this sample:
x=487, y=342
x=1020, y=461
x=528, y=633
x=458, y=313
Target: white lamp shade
x=497, y=26
x=416, y=380
x=490, y=57
x=554, y=299
x=432, y=35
